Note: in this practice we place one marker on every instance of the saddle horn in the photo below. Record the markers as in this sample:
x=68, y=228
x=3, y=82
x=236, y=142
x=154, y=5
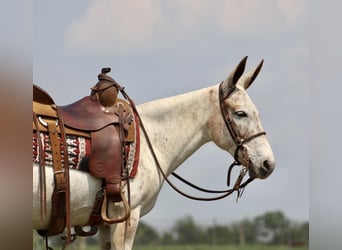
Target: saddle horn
x=103, y=90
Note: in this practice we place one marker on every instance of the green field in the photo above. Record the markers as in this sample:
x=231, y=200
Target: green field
x=211, y=247
x=206, y=247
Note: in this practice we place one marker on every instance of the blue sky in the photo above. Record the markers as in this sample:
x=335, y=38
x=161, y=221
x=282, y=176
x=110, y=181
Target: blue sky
x=164, y=48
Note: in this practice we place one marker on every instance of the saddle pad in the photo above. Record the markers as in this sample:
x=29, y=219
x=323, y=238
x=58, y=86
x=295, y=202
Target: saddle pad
x=78, y=147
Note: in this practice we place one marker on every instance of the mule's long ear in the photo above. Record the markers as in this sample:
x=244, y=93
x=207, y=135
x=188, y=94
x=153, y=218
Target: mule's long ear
x=249, y=77
x=234, y=77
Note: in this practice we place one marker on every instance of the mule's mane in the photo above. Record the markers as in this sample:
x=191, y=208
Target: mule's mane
x=190, y=101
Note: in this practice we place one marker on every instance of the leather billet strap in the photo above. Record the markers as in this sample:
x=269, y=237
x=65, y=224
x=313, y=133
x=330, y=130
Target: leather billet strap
x=60, y=209
x=68, y=238
x=59, y=194
x=56, y=156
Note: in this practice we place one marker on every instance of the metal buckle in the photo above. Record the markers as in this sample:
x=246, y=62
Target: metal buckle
x=44, y=123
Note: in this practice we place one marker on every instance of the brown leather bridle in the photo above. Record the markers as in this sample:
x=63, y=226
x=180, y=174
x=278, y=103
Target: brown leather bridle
x=239, y=140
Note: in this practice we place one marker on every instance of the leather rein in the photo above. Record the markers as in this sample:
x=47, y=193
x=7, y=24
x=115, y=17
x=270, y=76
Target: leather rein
x=239, y=140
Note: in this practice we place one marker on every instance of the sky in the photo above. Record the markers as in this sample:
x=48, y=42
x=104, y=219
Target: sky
x=164, y=48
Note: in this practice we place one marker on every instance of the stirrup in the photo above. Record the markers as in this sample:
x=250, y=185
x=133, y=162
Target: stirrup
x=108, y=220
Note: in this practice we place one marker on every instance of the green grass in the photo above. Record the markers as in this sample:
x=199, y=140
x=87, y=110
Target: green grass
x=211, y=247
x=206, y=247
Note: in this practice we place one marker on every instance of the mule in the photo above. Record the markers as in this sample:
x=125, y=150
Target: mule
x=176, y=127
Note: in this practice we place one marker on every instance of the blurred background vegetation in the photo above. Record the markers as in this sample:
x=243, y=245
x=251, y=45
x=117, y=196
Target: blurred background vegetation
x=264, y=231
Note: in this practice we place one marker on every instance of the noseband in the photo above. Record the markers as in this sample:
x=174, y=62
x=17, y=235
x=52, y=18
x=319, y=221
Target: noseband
x=238, y=138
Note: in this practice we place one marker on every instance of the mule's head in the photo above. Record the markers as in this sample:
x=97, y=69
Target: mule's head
x=239, y=130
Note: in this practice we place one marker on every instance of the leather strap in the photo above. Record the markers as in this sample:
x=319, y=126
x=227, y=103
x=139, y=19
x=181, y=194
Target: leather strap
x=42, y=179
x=68, y=239
x=59, y=194
x=231, y=127
x=60, y=210
x=56, y=157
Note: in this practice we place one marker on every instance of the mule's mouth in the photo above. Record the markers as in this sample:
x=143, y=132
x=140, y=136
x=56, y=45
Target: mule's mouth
x=262, y=171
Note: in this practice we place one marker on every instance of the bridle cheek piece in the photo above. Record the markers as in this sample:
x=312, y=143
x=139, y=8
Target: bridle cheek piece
x=239, y=141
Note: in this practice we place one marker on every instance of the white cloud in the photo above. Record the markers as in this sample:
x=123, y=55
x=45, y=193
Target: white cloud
x=294, y=9
x=111, y=26
x=114, y=26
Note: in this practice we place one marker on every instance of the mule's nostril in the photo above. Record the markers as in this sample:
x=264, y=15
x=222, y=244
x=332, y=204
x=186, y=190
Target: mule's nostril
x=267, y=165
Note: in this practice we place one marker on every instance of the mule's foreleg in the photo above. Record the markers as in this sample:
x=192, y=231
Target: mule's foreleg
x=124, y=233
x=104, y=237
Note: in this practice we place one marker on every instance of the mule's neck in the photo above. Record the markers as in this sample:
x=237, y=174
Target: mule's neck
x=178, y=126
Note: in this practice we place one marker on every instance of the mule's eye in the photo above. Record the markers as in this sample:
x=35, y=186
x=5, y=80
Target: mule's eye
x=240, y=114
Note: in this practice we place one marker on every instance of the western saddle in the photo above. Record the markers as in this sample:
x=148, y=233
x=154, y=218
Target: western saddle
x=111, y=126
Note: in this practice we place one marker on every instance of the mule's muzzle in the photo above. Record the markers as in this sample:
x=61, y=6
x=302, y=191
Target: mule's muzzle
x=263, y=171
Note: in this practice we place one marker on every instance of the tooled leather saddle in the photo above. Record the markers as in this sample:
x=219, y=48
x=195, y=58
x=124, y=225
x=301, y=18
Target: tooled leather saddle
x=101, y=117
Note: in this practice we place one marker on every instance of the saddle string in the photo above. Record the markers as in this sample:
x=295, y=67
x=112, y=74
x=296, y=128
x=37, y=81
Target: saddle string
x=42, y=180
x=125, y=173
x=66, y=175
